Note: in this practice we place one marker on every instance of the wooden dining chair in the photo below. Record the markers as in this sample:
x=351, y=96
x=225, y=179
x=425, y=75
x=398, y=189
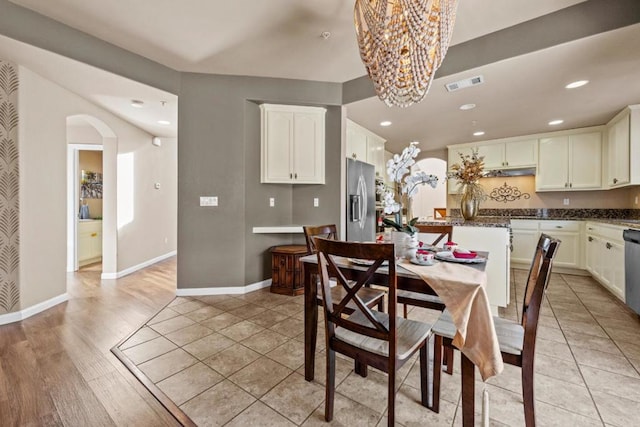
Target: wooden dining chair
x=517, y=339
x=370, y=297
x=424, y=300
x=373, y=338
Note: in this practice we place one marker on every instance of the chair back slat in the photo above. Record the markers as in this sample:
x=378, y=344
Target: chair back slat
x=328, y=231
x=442, y=231
x=536, y=285
x=328, y=252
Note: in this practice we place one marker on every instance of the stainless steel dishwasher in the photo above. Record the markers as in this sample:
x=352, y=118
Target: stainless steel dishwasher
x=632, y=268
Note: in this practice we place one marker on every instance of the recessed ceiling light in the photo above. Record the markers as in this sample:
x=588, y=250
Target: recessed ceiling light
x=576, y=84
x=325, y=35
x=556, y=122
x=478, y=133
x=137, y=103
x=467, y=106
x=385, y=123
x=415, y=143
x=164, y=122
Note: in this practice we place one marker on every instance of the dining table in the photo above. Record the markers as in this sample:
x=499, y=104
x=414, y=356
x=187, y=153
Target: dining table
x=461, y=286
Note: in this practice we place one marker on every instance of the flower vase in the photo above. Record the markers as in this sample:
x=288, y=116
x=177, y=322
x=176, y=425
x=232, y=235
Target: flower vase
x=406, y=245
x=469, y=203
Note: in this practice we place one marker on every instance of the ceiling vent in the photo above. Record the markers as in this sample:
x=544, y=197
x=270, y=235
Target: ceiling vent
x=461, y=84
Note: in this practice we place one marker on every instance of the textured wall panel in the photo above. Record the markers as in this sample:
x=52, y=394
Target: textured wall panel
x=9, y=189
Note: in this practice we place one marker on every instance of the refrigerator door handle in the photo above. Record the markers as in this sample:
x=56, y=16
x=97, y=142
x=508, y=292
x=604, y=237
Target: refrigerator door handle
x=362, y=194
x=355, y=207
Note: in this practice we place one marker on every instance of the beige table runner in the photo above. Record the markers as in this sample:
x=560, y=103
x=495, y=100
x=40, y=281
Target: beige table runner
x=462, y=289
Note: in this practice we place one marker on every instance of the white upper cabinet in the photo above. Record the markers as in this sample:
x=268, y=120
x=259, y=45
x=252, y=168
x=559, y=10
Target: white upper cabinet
x=618, y=150
x=509, y=155
x=570, y=162
x=366, y=146
x=292, y=144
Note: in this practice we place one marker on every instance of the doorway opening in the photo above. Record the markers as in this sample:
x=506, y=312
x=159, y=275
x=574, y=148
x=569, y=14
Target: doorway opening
x=91, y=215
x=430, y=203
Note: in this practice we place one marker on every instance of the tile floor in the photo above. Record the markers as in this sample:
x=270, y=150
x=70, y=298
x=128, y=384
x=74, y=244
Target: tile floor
x=238, y=361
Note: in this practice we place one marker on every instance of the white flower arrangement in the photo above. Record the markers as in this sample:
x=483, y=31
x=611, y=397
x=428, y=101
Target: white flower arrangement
x=398, y=169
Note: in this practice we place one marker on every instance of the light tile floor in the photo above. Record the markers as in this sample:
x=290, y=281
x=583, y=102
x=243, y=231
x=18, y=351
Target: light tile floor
x=238, y=361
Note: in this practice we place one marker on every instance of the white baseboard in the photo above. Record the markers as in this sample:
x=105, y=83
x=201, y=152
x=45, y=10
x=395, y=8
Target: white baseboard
x=231, y=290
x=34, y=309
x=125, y=272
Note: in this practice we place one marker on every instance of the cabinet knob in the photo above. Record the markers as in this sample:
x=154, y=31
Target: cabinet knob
x=354, y=156
x=608, y=245
x=295, y=176
x=94, y=234
x=566, y=184
x=290, y=176
x=590, y=239
x=558, y=226
x=506, y=163
x=615, y=180
x=571, y=185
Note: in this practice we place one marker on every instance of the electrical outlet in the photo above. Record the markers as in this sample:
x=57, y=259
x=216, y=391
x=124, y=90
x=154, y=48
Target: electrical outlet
x=272, y=201
x=566, y=202
x=316, y=202
x=208, y=201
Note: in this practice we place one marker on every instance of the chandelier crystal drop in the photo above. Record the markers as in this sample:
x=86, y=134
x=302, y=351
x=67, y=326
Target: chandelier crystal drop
x=402, y=43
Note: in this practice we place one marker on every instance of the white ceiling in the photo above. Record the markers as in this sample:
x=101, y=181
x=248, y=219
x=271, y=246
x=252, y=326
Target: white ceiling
x=281, y=38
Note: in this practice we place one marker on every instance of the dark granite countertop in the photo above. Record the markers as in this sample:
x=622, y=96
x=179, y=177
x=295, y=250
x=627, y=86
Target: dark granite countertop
x=480, y=221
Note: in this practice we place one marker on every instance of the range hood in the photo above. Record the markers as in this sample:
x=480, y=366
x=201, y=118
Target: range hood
x=511, y=172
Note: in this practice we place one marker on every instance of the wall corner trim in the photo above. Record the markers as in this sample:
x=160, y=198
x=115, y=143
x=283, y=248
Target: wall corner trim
x=127, y=271
x=230, y=290
x=34, y=309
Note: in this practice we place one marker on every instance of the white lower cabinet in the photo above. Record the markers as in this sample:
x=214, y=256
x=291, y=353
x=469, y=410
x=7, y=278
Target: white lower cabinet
x=605, y=256
x=89, y=242
x=527, y=232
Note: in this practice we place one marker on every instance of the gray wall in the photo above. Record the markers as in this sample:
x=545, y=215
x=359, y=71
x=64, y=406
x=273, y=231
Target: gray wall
x=219, y=155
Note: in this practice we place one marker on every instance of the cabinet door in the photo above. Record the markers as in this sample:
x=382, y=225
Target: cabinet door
x=524, y=244
x=618, y=149
x=617, y=261
x=521, y=153
x=493, y=155
x=585, y=167
x=570, y=249
x=356, y=143
x=276, y=146
x=591, y=254
x=308, y=148
x=553, y=164
x=375, y=154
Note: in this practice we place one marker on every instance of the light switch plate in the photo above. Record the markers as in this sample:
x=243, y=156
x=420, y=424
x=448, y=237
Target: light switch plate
x=566, y=202
x=272, y=201
x=316, y=202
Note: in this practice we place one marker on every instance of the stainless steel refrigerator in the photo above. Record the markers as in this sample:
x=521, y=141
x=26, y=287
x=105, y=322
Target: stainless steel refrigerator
x=361, y=201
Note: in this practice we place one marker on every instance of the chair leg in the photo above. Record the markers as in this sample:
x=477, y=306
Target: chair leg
x=405, y=311
x=330, y=385
x=361, y=368
x=468, y=392
x=424, y=373
x=391, y=413
x=437, y=373
x=448, y=357
x=527, y=392
x=381, y=305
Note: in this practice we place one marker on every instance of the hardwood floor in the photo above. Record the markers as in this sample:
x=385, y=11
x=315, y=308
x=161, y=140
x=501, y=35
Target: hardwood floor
x=56, y=367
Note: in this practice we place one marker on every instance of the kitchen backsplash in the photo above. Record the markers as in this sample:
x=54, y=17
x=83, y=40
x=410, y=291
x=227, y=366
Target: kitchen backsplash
x=520, y=193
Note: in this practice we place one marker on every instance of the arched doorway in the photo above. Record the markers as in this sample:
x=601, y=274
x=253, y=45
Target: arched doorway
x=428, y=199
x=87, y=133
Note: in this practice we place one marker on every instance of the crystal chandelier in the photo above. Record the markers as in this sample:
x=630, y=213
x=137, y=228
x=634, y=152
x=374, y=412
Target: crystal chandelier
x=402, y=44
